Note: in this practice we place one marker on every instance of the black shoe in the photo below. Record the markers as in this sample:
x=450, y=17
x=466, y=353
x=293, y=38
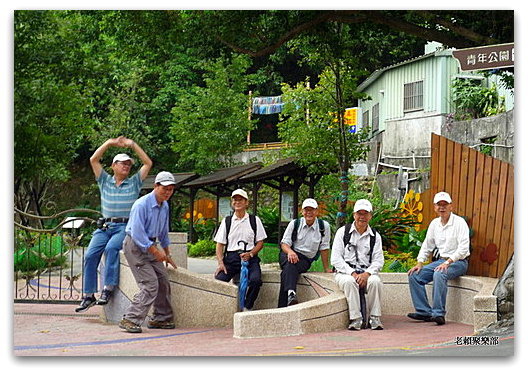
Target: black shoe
x=439, y=320
x=86, y=303
x=419, y=317
x=105, y=296
x=292, y=299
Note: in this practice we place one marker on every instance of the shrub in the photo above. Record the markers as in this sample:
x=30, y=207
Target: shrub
x=36, y=252
x=398, y=262
x=270, y=220
x=202, y=248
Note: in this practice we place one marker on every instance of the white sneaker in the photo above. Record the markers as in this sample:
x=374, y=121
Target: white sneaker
x=375, y=323
x=355, y=324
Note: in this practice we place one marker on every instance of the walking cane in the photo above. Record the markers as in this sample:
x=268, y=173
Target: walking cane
x=363, y=303
x=243, y=285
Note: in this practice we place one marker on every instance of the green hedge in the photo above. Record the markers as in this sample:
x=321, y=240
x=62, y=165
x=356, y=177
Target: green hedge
x=39, y=253
x=202, y=248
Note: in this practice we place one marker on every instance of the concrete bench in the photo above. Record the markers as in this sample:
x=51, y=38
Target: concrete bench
x=201, y=301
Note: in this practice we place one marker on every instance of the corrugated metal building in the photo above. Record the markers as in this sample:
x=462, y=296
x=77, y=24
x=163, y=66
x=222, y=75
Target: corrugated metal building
x=411, y=99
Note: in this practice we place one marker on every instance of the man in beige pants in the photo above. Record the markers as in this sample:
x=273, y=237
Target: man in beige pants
x=357, y=257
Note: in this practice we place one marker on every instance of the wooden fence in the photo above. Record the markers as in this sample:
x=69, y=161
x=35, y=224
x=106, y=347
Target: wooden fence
x=482, y=190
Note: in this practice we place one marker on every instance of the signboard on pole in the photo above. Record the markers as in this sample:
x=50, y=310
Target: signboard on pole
x=352, y=119
x=486, y=57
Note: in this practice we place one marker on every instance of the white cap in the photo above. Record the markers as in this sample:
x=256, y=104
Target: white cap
x=311, y=203
x=164, y=178
x=122, y=157
x=240, y=192
x=362, y=204
x=442, y=196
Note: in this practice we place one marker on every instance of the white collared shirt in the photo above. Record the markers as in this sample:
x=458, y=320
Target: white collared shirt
x=341, y=254
x=451, y=239
x=240, y=231
x=308, y=237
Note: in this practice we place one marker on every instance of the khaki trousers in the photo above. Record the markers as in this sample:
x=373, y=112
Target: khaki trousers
x=154, y=287
x=350, y=288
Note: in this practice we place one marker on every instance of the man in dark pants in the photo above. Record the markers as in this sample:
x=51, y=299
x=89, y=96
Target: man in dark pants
x=243, y=243
x=300, y=250
x=149, y=225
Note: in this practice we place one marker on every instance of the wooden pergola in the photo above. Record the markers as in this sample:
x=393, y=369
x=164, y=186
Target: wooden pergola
x=284, y=175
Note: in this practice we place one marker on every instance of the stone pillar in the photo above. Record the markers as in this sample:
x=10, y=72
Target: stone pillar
x=178, y=248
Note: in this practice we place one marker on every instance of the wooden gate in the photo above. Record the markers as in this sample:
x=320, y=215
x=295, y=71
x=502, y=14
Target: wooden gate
x=482, y=190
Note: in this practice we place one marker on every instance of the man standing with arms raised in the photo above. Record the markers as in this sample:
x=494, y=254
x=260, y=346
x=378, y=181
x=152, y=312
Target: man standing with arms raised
x=118, y=193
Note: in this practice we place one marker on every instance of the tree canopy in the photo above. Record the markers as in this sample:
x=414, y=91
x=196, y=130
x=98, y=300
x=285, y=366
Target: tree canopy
x=177, y=81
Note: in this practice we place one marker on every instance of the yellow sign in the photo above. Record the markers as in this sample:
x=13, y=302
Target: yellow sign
x=351, y=116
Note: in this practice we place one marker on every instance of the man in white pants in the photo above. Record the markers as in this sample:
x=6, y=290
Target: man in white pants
x=357, y=263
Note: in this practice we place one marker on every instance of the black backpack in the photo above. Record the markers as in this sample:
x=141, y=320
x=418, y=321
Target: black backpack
x=296, y=224
x=252, y=222
x=347, y=234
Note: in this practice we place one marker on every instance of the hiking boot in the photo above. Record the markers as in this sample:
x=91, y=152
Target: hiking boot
x=161, y=325
x=375, y=323
x=439, y=320
x=105, y=296
x=129, y=326
x=419, y=317
x=86, y=303
x=355, y=324
x=292, y=299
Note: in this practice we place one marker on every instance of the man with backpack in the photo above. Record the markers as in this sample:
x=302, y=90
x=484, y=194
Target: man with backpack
x=239, y=238
x=304, y=239
x=357, y=256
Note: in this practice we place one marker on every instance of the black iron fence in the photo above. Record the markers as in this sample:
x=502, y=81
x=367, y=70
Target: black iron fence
x=48, y=262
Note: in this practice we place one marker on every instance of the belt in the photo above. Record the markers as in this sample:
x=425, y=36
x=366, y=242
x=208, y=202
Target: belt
x=356, y=266
x=117, y=219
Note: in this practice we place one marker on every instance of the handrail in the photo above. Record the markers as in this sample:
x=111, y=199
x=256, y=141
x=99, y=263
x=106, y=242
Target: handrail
x=62, y=223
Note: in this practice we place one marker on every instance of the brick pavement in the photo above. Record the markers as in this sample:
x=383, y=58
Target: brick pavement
x=56, y=330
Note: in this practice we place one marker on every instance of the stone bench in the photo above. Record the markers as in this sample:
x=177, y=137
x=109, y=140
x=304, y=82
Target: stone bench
x=201, y=301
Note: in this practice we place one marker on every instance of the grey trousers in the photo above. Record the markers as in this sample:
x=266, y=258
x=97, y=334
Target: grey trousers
x=154, y=287
x=350, y=288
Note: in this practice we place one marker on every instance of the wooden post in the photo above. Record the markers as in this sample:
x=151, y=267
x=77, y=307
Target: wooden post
x=192, y=195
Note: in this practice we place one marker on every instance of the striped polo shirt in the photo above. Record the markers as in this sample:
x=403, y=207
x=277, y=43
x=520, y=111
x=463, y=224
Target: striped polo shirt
x=116, y=201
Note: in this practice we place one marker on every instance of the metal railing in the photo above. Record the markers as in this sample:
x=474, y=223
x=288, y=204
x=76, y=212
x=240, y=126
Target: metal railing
x=48, y=263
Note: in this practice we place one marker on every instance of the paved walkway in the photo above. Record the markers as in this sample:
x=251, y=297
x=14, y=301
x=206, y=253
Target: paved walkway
x=56, y=330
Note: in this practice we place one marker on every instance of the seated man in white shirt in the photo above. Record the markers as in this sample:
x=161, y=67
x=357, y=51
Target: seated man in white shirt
x=301, y=244
x=449, y=234
x=357, y=262
x=239, y=238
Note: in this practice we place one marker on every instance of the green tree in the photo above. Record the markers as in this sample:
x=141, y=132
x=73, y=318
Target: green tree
x=314, y=128
x=211, y=123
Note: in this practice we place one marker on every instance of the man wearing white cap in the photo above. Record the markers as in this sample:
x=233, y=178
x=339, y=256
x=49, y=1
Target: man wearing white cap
x=118, y=193
x=449, y=234
x=240, y=237
x=149, y=225
x=304, y=239
x=357, y=256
